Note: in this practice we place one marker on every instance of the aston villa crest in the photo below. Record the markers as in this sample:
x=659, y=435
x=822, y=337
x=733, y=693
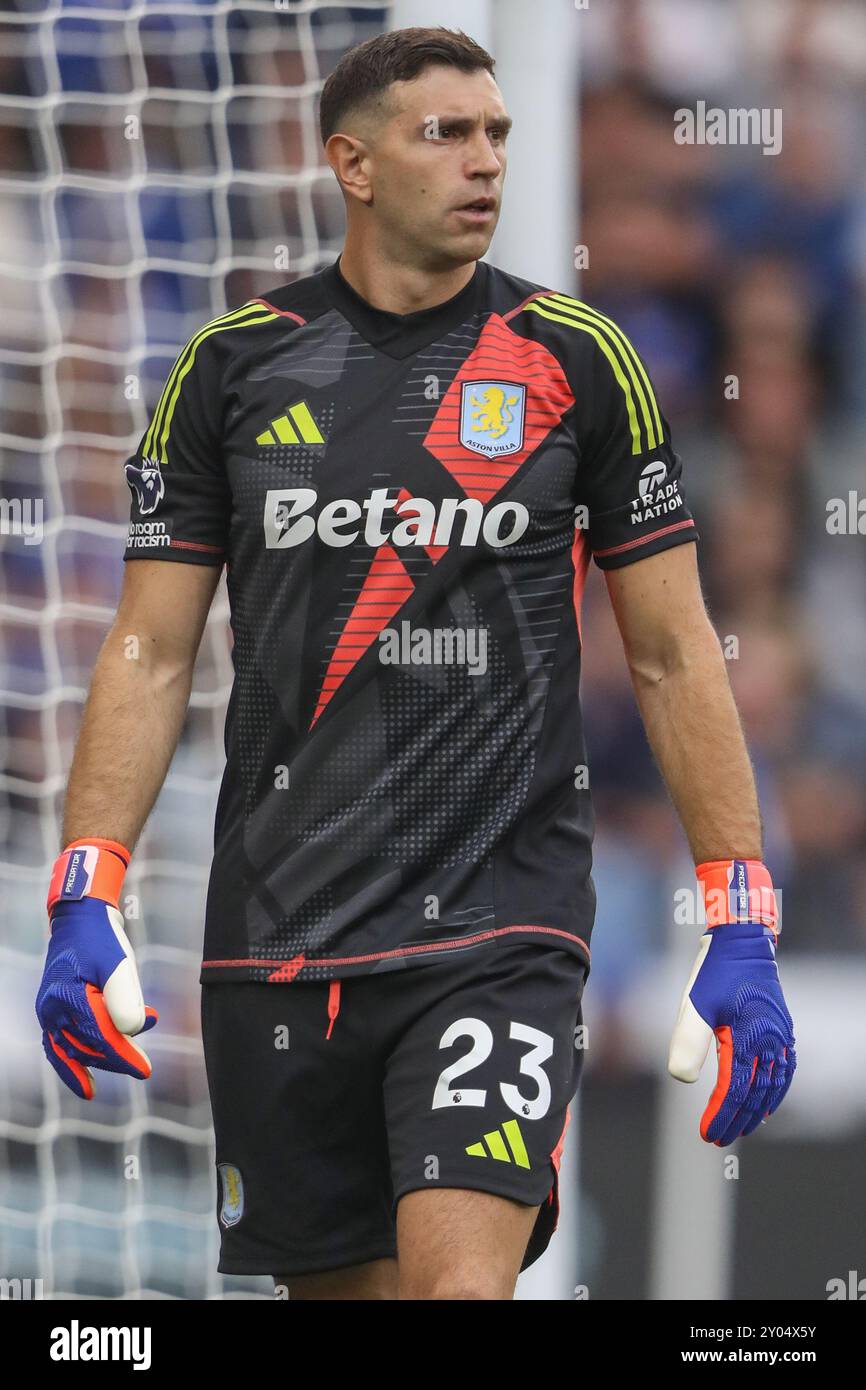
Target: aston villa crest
x=491, y=417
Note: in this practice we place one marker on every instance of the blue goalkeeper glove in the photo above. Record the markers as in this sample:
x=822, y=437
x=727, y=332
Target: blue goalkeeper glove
x=734, y=993
x=90, y=1003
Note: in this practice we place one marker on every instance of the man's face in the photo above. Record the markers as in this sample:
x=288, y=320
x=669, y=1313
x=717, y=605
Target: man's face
x=437, y=167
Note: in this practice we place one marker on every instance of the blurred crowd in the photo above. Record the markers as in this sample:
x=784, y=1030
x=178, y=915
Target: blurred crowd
x=742, y=278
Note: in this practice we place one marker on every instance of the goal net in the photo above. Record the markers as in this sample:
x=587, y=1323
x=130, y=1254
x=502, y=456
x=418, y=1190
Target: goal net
x=159, y=163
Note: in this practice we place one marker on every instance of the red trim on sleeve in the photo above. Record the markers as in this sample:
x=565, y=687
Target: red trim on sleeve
x=195, y=545
x=644, y=540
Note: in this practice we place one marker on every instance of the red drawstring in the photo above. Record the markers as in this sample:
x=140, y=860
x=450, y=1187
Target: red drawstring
x=333, y=1005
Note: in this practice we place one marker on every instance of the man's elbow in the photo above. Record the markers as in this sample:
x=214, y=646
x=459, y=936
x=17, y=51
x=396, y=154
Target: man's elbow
x=675, y=652
x=163, y=664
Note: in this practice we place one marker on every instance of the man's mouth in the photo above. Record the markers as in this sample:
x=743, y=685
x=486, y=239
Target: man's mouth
x=479, y=210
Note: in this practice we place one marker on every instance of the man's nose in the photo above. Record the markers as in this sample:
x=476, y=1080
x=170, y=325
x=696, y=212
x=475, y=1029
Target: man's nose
x=482, y=157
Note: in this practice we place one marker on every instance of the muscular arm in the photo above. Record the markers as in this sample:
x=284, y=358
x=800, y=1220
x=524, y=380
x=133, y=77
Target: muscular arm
x=138, y=699
x=679, y=677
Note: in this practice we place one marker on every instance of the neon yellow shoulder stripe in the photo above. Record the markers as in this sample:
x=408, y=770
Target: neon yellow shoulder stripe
x=158, y=430
x=166, y=390
x=535, y=308
x=636, y=367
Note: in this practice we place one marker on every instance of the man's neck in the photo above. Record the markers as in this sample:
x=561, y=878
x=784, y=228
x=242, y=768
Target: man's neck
x=400, y=289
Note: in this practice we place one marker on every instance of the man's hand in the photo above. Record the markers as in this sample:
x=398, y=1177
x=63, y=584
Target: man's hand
x=734, y=992
x=90, y=1002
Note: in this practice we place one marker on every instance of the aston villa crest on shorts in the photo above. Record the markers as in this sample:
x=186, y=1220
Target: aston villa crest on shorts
x=491, y=417
x=232, y=1186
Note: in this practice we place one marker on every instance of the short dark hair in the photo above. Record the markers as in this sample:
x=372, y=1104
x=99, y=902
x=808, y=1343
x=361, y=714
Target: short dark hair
x=367, y=71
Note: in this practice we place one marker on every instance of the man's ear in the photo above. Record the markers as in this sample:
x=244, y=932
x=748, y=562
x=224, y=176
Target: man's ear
x=350, y=159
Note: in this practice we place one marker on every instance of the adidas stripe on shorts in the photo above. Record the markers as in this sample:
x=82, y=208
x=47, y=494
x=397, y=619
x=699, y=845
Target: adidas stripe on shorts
x=331, y=1100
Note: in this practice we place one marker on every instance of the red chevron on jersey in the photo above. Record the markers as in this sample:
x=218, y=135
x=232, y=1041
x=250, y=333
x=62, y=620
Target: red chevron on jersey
x=385, y=589
x=504, y=356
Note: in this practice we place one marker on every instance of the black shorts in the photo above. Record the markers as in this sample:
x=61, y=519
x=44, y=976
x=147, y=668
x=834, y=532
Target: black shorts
x=453, y=1074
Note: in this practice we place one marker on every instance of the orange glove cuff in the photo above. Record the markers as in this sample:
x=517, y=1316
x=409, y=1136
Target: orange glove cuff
x=88, y=869
x=738, y=890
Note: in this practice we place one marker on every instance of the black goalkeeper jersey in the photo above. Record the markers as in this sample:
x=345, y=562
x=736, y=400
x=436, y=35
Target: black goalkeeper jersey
x=406, y=506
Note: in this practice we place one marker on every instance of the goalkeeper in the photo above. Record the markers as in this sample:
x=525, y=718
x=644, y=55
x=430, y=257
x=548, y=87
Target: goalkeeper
x=389, y=456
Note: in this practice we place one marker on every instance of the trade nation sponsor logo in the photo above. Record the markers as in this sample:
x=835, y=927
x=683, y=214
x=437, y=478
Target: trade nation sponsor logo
x=655, y=496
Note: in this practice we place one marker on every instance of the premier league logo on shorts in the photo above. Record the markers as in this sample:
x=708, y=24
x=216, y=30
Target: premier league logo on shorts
x=491, y=417
x=147, y=484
